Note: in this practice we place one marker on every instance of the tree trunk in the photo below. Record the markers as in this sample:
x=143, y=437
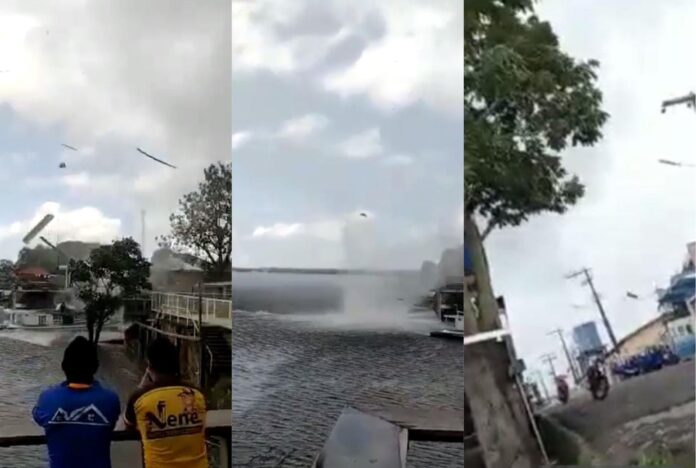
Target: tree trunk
x=90, y=330
x=498, y=412
x=98, y=330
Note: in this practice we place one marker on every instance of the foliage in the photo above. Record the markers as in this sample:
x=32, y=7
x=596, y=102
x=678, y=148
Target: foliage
x=203, y=224
x=112, y=274
x=7, y=274
x=39, y=256
x=525, y=101
x=49, y=259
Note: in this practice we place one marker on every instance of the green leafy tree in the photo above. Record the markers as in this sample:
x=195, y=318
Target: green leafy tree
x=7, y=274
x=203, y=224
x=525, y=101
x=112, y=274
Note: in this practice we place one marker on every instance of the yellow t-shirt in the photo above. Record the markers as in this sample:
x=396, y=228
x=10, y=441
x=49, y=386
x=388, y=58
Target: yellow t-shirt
x=171, y=422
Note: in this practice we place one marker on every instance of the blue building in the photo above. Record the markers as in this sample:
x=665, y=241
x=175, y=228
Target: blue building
x=586, y=338
x=587, y=343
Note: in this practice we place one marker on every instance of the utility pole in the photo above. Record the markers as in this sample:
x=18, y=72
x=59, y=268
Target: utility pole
x=549, y=358
x=559, y=332
x=543, y=385
x=588, y=280
x=201, y=344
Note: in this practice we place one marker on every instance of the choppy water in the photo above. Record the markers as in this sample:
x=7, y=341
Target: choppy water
x=295, y=370
x=31, y=362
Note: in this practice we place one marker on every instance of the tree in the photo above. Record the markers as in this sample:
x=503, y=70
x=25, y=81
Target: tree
x=112, y=274
x=203, y=225
x=525, y=101
x=39, y=256
x=7, y=274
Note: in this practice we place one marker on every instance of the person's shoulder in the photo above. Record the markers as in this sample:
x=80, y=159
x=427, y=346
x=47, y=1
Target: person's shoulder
x=140, y=391
x=53, y=390
x=191, y=387
x=106, y=392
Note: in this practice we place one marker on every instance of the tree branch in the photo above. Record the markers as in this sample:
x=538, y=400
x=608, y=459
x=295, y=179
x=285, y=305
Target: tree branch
x=489, y=227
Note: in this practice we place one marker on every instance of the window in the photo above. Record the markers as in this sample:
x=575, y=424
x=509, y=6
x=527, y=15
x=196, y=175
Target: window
x=42, y=320
x=689, y=330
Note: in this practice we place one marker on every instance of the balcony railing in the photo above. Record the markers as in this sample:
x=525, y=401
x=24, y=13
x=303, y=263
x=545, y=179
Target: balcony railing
x=218, y=436
x=212, y=311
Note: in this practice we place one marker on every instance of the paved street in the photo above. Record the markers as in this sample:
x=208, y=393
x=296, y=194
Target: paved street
x=639, y=415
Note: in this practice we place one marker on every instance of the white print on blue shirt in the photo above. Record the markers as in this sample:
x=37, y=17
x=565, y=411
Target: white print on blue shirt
x=87, y=416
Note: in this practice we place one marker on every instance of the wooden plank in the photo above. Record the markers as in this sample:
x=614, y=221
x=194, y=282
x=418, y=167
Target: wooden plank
x=360, y=440
x=426, y=424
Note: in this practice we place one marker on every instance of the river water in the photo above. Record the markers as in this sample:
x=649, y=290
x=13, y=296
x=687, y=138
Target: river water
x=31, y=362
x=305, y=347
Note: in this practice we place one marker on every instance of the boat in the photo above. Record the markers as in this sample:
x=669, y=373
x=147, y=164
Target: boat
x=448, y=307
x=457, y=332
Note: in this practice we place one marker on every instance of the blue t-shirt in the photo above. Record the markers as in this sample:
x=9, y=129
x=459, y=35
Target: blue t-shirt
x=78, y=424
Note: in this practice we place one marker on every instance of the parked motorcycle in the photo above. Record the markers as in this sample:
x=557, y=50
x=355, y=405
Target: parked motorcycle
x=562, y=389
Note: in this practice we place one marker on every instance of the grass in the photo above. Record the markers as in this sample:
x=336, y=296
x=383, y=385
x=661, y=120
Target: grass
x=660, y=457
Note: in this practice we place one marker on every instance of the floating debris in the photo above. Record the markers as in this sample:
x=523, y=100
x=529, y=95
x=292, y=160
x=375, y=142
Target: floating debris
x=155, y=159
x=62, y=165
x=69, y=147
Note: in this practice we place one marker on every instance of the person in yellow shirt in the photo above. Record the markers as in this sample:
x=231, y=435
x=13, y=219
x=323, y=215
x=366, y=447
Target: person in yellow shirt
x=169, y=414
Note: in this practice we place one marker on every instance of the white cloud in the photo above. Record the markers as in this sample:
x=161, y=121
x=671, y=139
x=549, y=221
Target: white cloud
x=329, y=230
x=418, y=59
x=240, y=139
x=363, y=145
x=398, y=160
x=257, y=45
x=299, y=128
x=87, y=68
x=86, y=223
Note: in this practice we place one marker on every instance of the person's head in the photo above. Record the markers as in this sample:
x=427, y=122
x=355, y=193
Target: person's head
x=163, y=358
x=80, y=361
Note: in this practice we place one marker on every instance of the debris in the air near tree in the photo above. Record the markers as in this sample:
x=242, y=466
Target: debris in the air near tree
x=69, y=147
x=155, y=159
x=62, y=165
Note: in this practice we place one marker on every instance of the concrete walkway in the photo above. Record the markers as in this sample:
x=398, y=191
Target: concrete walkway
x=641, y=416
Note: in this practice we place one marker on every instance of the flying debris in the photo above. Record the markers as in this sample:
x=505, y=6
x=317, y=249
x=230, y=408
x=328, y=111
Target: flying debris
x=154, y=158
x=62, y=165
x=69, y=147
x=364, y=215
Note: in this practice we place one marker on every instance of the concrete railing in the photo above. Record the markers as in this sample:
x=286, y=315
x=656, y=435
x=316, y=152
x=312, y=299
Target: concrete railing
x=190, y=307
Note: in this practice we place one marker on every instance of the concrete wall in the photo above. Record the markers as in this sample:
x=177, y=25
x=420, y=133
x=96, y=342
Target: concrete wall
x=652, y=335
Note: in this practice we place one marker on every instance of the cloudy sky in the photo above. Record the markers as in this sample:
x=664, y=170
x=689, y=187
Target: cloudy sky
x=343, y=107
x=633, y=225
x=106, y=77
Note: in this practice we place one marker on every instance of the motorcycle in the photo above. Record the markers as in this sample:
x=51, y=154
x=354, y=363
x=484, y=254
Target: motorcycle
x=597, y=382
x=562, y=389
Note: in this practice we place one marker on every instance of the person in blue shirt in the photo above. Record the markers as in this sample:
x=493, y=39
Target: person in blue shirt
x=78, y=415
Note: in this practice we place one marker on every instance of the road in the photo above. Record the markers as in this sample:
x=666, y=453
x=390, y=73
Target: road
x=640, y=415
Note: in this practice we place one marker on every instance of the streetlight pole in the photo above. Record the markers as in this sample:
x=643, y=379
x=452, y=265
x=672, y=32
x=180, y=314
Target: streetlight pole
x=669, y=162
